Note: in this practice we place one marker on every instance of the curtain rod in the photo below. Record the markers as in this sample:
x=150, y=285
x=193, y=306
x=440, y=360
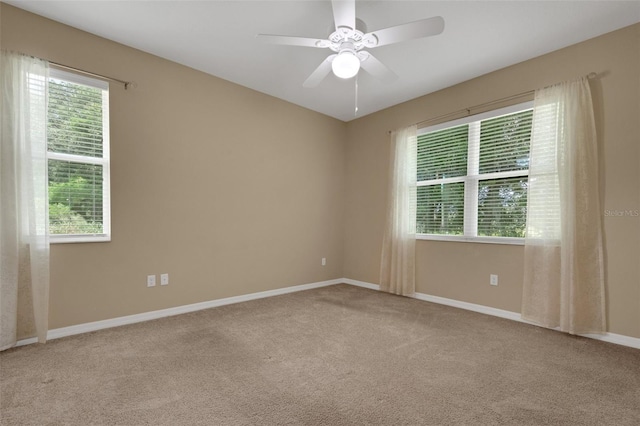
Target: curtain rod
x=496, y=101
x=126, y=84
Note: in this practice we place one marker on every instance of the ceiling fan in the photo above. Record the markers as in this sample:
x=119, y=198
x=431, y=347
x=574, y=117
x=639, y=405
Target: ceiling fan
x=349, y=43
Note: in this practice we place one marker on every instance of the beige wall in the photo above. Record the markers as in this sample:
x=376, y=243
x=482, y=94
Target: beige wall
x=232, y=192
x=461, y=270
x=228, y=190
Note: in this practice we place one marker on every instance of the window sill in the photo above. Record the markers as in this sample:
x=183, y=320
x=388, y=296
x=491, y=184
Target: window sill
x=66, y=239
x=463, y=239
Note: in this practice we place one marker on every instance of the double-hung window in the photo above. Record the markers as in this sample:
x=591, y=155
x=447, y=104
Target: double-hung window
x=472, y=177
x=78, y=158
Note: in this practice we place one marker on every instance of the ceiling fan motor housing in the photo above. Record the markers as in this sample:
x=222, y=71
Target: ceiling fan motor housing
x=348, y=38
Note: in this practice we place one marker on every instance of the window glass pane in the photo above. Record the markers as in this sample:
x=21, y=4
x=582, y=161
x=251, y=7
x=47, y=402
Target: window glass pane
x=441, y=209
x=443, y=153
x=75, y=119
x=75, y=198
x=502, y=207
x=504, y=143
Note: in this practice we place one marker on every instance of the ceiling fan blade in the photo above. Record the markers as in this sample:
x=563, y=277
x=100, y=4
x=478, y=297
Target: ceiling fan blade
x=377, y=69
x=344, y=13
x=293, y=41
x=320, y=73
x=412, y=30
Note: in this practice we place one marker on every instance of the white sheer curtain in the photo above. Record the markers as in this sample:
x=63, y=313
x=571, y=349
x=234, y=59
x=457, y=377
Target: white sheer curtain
x=24, y=241
x=564, y=278
x=397, y=271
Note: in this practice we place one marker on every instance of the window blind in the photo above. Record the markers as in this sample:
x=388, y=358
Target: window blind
x=473, y=177
x=78, y=156
x=502, y=201
x=441, y=167
x=504, y=143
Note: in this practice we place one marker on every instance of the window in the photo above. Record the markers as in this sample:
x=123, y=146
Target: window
x=472, y=177
x=78, y=158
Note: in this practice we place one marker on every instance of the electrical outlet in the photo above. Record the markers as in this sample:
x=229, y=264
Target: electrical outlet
x=493, y=279
x=164, y=279
x=324, y=261
x=151, y=280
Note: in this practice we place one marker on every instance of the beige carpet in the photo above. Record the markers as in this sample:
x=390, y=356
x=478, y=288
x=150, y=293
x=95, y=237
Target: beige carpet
x=338, y=355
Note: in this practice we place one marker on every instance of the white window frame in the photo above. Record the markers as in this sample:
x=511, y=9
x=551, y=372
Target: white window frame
x=471, y=179
x=104, y=161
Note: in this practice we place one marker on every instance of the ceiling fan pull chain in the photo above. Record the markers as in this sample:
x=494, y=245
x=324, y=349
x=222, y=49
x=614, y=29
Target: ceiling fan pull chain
x=356, y=109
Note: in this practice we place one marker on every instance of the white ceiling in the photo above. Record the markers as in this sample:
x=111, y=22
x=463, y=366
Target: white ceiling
x=218, y=37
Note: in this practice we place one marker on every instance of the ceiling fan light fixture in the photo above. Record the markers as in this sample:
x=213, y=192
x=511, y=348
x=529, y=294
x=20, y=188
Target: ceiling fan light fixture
x=346, y=64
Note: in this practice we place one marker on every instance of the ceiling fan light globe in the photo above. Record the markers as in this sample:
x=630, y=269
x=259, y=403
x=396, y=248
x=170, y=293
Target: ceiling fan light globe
x=345, y=65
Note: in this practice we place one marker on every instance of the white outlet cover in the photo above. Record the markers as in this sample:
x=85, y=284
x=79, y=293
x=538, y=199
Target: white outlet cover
x=151, y=280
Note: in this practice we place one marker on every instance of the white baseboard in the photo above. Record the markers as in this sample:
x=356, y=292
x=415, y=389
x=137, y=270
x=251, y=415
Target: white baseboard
x=28, y=341
x=146, y=316
x=515, y=316
x=618, y=339
x=361, y=284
